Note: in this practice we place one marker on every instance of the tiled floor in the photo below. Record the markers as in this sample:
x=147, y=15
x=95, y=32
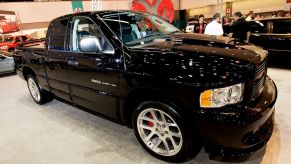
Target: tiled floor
x=59, y=133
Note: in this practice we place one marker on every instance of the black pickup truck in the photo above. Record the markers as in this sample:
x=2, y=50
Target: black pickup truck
x=178, y=91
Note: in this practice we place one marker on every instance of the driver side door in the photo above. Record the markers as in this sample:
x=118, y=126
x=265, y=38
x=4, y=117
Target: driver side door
x=92, y=68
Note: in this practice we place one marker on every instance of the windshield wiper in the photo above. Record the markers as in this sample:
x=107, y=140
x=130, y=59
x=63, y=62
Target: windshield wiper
x=152, y=34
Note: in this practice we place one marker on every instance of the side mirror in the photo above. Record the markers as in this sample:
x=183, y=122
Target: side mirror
x=90, y=44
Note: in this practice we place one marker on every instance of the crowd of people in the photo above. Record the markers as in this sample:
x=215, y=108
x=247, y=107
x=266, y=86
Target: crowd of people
x=252, y=16
x=239, y=26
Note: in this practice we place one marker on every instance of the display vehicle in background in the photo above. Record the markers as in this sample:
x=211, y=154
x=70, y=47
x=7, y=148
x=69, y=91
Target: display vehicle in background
x=273, y=35
x=9, y=43
x=7, y=26
x=177, y=91
x=6, y=64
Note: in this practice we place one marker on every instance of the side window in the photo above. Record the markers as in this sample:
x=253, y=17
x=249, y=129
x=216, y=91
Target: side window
x=58, y=34
x=84, y=30
x=24, y=38
x=17, y=39
x=282, y=27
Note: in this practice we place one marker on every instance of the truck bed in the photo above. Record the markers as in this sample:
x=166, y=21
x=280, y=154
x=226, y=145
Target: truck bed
x=34, y=44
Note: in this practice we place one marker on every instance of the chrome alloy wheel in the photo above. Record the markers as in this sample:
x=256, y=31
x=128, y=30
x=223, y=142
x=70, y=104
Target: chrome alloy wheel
x=159, y=132
x=34, y=90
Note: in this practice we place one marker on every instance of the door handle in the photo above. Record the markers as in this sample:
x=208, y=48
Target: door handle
x=73, y=63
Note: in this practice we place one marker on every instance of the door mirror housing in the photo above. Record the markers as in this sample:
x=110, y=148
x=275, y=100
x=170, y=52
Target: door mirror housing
x=90, y=44
x=95, y=44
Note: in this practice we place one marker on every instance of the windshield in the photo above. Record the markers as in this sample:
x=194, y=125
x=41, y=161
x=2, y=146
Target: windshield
x=9, y=39
x=134, y=28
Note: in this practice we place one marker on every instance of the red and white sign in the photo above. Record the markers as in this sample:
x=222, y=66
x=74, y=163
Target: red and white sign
x=163, y=8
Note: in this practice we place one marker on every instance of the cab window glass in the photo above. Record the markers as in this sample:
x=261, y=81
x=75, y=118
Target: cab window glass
x=9, y=39
x=84, y=28
x=138, y=28
x=24, y=38
x=58, y=34
x=17, y=39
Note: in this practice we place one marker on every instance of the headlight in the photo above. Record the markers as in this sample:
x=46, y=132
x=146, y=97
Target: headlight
x=215, y=98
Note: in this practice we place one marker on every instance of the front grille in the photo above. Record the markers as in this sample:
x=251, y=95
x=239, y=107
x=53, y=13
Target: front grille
x=259, y=80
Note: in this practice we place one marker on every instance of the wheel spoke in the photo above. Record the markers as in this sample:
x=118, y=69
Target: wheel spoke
x=166, y=146
x=172, y=124
x=178, y=135
x=146, y=127
x=34, y=91
x=157, y=144
x=163, y=117
x=147, y=119
x=173, y=142
x=154, y=115
x=149, y=136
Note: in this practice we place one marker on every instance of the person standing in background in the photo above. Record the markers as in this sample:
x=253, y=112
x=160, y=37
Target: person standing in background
x=240, y=28
x=258, y=17
x=214, y=27
x=274, y=14
x=250, y=16
x=200, y=26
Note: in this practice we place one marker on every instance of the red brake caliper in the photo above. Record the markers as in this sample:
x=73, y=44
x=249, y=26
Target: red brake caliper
x=151, y=124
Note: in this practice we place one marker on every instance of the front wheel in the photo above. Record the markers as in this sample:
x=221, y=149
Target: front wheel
x=11, y=50
x=39, y=95
x=162, y=132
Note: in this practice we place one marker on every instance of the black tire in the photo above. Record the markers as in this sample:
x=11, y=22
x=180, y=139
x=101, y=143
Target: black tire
x=44, y=96
x=11, y=50
x=190, y=145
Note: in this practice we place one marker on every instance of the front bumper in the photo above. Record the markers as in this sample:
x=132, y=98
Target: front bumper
x=240, y=132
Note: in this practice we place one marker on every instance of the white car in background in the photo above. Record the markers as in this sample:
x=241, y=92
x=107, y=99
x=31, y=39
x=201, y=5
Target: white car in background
x=190, y=26
x=6, y=64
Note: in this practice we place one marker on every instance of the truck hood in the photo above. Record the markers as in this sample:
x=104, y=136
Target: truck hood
x=195, y=59
x=211, y=45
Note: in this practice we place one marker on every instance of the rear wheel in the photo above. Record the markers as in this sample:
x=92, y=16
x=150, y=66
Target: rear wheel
x=162, y=132
x=39, y=95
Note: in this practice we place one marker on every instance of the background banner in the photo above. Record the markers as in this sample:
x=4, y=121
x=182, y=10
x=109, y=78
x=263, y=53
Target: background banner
x=77, y=6
x=162, y=8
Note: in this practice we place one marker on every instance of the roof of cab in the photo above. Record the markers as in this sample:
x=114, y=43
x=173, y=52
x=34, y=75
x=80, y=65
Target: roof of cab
x=100, y=13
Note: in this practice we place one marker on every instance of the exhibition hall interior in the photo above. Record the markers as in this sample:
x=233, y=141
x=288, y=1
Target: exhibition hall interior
x=145, y=81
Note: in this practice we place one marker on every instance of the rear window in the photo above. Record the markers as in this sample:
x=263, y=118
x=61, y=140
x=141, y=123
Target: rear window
x=9, y=39
x=58, y=30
